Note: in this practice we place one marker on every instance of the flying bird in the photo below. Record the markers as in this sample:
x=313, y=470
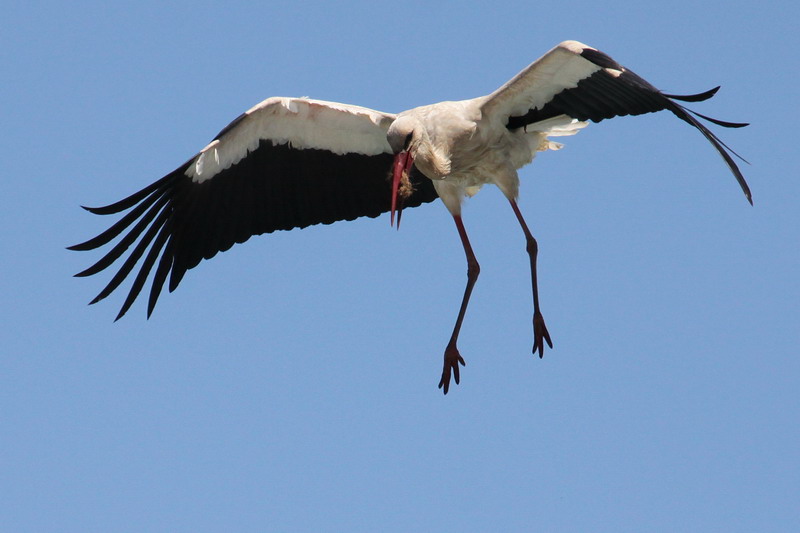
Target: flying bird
x=293, y=162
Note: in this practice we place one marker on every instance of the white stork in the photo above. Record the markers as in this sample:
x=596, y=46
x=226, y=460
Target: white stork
x=294, y=162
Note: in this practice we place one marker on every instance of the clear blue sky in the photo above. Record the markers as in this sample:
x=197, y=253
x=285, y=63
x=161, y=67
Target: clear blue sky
x=290, y=383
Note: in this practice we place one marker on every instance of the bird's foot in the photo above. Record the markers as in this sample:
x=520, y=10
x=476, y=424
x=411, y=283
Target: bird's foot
x=451, y=361
x=540, y=335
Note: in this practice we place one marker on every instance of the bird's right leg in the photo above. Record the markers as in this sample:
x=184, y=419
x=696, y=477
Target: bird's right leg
x=451, y=356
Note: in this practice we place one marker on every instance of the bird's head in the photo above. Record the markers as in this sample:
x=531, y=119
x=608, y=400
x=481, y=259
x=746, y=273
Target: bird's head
x=401, y=138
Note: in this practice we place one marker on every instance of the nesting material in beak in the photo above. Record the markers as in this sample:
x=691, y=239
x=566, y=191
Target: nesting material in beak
x=401, y=184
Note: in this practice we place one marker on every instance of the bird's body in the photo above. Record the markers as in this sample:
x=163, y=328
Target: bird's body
x=461, y=149
x=293, y=162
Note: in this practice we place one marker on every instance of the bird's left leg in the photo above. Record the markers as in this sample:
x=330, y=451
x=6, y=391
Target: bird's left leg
x=540, y=334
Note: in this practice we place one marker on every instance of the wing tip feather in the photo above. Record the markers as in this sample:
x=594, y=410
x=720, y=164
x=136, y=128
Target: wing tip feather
x=699, y=97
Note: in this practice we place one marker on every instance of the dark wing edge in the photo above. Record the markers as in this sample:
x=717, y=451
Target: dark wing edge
x=615, y=91
x=178, y=222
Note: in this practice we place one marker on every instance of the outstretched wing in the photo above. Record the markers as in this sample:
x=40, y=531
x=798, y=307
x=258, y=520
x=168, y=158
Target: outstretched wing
x=583, y=83
x=286, y=163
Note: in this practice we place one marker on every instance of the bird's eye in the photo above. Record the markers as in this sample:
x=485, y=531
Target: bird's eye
x=407, y=142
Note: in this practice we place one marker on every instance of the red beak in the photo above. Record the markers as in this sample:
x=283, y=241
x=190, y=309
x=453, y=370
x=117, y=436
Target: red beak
x=400, y=172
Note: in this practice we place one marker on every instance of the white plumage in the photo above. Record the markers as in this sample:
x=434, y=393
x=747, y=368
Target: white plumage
x=299, y=122
x=293, y=162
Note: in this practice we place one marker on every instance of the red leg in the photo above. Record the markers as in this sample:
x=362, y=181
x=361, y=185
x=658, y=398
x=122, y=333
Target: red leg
x=451, y=356
x=540, y=334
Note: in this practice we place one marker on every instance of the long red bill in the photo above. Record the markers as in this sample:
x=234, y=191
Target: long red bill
x=400, y=171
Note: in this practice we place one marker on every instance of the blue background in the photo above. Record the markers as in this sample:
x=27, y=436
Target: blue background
x=290, y=384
